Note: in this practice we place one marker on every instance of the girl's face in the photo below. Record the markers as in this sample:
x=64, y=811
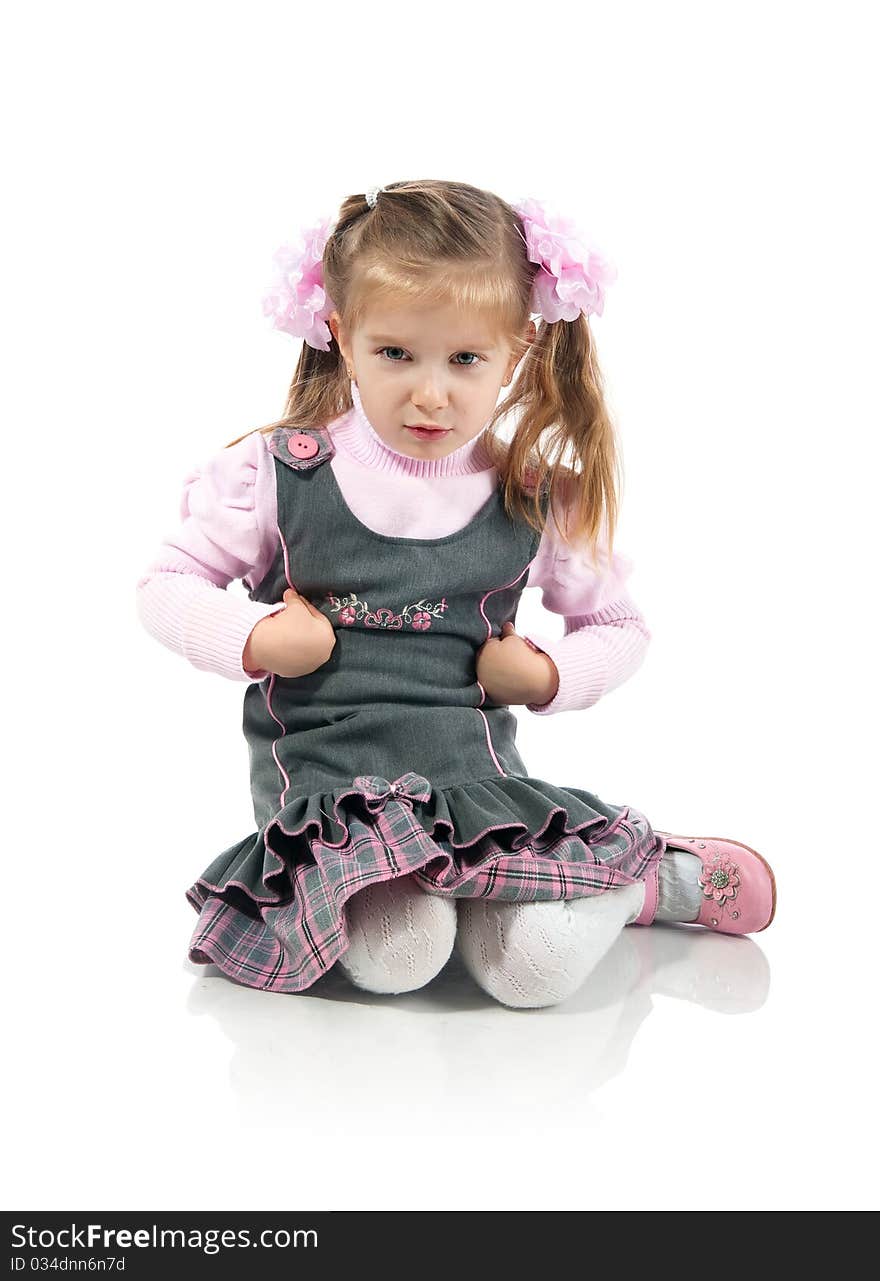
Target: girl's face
x=426, y=365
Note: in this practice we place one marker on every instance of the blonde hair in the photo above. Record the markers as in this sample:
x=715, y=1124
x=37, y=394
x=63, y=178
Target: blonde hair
x=450, y=243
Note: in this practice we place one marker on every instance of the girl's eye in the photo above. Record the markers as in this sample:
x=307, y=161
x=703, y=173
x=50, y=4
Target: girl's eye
x=470, y=364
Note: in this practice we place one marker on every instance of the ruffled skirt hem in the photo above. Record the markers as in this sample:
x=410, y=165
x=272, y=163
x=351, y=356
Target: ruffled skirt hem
x=271, y=907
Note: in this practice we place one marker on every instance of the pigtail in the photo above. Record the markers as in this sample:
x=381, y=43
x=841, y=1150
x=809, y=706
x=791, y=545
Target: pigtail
x=564, y=441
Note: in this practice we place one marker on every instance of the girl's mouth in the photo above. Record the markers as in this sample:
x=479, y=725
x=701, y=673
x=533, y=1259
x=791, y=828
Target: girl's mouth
x=429, y=433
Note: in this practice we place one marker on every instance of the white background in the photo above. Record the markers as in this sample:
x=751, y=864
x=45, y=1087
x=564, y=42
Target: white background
x=725, y=158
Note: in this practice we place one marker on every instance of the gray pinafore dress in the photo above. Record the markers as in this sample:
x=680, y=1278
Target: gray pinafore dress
x=390, y=759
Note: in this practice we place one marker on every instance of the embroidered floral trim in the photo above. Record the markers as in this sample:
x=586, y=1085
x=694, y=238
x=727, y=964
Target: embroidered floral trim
x=418, y=616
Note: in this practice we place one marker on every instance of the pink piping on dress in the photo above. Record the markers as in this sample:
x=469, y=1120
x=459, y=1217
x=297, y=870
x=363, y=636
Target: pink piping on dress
x=489, y=593
x=271, y=686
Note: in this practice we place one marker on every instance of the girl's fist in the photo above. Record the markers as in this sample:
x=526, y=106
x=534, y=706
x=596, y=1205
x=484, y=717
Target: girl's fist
x=512, y=670
x=294, y=642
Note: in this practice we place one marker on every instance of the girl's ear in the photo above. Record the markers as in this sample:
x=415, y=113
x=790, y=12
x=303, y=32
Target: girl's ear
x=333, y=323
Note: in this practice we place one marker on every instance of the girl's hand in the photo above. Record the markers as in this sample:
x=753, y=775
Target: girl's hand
x=510, y=671
x=294, y=642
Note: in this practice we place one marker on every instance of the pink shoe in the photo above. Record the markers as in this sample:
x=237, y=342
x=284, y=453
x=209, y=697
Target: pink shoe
x=739, y=890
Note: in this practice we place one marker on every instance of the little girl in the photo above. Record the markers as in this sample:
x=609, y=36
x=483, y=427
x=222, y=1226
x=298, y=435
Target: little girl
x=385, y=533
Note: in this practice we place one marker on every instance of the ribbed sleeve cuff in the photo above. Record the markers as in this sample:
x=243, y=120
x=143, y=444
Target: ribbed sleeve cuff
x=202, y=622
x=215, y=632
x=598, y=652
x=583, y=672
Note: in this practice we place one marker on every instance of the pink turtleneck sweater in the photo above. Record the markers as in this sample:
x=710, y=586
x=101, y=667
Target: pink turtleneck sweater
x=228, y=531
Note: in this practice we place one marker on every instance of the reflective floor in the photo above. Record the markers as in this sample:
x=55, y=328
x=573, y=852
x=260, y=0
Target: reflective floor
x=691, y=1068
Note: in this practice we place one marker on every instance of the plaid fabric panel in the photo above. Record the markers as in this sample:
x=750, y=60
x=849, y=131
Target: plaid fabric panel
x=286, y=947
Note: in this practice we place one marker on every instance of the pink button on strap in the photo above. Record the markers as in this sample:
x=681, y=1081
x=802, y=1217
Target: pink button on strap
x=302, y=446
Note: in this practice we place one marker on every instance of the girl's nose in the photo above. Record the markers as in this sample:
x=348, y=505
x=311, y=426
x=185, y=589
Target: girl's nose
x=430, y=394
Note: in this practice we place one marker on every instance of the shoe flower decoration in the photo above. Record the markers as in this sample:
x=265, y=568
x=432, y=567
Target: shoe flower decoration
x=719, y=879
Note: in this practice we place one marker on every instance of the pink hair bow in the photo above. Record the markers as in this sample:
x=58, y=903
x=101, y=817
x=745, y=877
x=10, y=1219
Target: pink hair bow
x=296, y=300
x=573, y=273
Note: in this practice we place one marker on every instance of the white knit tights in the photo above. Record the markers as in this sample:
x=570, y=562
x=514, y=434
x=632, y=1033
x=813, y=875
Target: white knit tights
x=525, y=955
x=400, y=937
x=522, y=954
x=528, y=955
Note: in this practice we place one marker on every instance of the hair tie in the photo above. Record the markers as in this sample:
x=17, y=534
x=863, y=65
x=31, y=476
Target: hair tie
x=572, y=277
